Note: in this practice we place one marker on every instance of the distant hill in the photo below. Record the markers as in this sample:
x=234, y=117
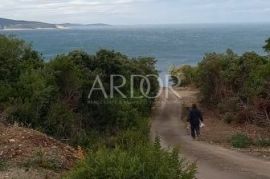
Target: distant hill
x=20, y=24
x=70, y=25
x=98, y=24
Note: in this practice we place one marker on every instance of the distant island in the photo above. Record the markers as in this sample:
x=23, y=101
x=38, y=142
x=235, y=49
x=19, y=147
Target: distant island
x=10, y=24
x=67, y=25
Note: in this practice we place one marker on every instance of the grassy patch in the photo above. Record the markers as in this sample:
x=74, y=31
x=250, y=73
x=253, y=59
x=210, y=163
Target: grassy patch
x=240, y=141
x=262, y=142
x=41, y=160
x=3, y=165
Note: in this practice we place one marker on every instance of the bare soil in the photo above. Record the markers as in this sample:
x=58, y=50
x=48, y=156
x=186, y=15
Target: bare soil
x=216, y=131
x=26, y=153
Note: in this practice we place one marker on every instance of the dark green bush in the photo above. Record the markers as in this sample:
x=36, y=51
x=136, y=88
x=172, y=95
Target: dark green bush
x=53, y=96
x=130, y=155
x=234, y=83
x=240, y=141
x=262, y=142
x=143, y=161
x=267, y=46
x=132, y=137
x=3, y=165
x=60, y=121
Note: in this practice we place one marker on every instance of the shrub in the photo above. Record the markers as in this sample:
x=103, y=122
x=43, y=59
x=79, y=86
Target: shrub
x=53, y=96
x=267, y=46
x=131, y=138
x=240, y=141
x=84, y=138
x=21, y=112
x=137, y=135
x=61, y=121
x=232, y=82
x=263, y=142
x=186, y=73
x=3, y=165
x=144, y=161
x=16, y=55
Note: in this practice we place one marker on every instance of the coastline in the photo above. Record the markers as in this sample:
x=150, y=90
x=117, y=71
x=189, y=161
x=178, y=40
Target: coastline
x=30, y=29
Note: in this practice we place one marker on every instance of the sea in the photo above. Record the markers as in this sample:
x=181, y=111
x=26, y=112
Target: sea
x=168, y=44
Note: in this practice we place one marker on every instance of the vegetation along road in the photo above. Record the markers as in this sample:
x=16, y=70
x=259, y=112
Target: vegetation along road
x=212, y=161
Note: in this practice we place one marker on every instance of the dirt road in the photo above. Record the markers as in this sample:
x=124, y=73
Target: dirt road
x=213, y=161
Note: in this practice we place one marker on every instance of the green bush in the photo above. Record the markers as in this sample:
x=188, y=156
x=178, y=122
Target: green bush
x=131, y=138
x=83, y=138
x=240, y=141
x=267, y=46
x=186, y=73
x=60, y=121
x=53, y=96
x=262, y=142
x=233, y=83
x=131, y=155
x=143, y=161
x=3, y=165
x=136, y=135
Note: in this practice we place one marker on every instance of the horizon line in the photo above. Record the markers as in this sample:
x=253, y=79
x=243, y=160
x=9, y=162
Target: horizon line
x=138, y=24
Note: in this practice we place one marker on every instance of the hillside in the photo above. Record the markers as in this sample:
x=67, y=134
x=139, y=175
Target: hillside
x=28, y=153
x=81, y=26
x=20, y=24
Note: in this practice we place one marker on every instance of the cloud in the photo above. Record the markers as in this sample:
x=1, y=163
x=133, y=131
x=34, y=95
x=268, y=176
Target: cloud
x=137, y=11
x=55, y=10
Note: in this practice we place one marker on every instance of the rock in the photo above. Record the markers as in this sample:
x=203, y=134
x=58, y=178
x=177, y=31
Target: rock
x=11, y=140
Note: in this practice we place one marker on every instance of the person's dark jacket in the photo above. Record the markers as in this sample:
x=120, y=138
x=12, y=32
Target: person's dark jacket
x=195, y=116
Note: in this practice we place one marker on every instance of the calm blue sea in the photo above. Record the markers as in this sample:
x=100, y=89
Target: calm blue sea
x=169, y=44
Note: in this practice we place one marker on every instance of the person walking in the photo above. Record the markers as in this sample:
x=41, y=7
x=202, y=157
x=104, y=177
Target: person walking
x=195, y=119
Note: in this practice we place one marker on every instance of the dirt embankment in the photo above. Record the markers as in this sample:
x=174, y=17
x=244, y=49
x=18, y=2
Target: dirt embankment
x=26, y=153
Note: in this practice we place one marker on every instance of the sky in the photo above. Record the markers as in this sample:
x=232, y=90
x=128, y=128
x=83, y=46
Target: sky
x=128, y=12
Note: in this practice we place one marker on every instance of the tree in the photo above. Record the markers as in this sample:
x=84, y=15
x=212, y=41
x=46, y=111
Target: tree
x=267, y=46
x=53, y=96
x=15, y=57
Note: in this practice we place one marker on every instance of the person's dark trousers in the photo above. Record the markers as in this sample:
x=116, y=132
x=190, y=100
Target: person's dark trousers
x=195, y=130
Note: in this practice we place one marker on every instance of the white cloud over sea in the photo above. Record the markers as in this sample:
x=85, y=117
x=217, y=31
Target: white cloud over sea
x=137, y=11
